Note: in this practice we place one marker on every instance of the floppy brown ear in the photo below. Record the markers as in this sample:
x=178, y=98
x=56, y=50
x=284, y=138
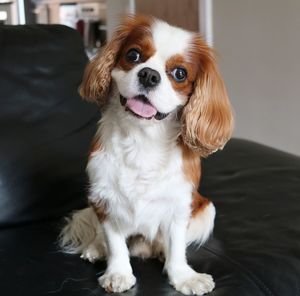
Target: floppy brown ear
x=97, y=75
x=207, y=119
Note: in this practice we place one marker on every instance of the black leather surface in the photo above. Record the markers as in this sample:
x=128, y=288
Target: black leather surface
x=45, y=128
x=254, y=250
x=45, y=131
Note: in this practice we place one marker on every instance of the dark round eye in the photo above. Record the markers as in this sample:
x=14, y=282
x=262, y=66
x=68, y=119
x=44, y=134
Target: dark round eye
x=179, y=74
x=133, y=56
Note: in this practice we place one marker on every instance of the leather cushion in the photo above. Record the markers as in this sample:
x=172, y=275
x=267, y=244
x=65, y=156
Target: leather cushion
x=45, y=128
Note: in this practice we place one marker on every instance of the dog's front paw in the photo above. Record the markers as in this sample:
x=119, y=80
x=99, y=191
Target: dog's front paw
x=117, y=282
x=198, y=284
x=189, y=282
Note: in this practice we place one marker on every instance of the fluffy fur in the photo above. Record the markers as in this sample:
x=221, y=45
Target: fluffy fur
x=144, y=171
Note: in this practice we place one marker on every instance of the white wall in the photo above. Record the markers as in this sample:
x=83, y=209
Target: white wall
x=258, y=42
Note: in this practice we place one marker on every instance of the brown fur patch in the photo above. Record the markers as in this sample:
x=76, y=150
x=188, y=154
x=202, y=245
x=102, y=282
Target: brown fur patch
x=139, y=38
x=199, y=203
x=191, y=164
x=192, y=172
x=100, y=210
x=185, y=87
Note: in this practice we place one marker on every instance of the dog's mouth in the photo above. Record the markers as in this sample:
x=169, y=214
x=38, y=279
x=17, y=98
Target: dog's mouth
x=141, y=107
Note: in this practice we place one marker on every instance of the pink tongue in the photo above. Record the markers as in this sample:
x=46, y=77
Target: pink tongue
x=141, y=108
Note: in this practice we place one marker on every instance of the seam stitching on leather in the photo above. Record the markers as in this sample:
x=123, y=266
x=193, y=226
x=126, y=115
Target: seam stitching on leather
x=252, y=277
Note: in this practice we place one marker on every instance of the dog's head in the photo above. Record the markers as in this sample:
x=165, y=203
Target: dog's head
x=161, y=70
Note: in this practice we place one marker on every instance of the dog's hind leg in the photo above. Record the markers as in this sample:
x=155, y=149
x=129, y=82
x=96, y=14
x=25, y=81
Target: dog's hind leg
x=83, y=234
x=139, y=246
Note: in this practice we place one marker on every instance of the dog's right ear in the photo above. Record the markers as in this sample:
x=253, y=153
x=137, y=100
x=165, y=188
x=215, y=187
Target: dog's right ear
x=97, y=76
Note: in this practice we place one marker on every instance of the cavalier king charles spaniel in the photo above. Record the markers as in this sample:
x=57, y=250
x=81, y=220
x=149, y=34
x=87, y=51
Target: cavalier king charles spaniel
x=164, y=105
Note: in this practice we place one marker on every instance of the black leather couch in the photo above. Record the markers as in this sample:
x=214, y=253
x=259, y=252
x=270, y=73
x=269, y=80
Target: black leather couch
x=45, y=132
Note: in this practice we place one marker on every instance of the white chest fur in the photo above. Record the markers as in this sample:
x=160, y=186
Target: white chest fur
x=138, y=173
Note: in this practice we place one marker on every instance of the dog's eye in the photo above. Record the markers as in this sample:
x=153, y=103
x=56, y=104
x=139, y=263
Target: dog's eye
x=133, y=56
x=179, y=74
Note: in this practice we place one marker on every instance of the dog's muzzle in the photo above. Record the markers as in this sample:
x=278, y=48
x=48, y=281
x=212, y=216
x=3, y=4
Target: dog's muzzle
x=141, y=107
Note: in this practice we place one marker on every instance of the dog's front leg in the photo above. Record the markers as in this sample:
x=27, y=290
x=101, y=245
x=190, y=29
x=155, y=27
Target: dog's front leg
x=118, y=276
x=181, y=275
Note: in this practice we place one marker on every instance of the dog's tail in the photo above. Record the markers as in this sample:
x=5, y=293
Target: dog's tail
x=80, y=231
x=201, y=223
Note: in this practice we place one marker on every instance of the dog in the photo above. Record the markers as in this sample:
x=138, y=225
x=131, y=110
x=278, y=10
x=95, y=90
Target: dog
x=164, y=106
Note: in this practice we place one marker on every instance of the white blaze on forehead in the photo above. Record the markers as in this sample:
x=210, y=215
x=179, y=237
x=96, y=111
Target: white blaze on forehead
x=169, y=40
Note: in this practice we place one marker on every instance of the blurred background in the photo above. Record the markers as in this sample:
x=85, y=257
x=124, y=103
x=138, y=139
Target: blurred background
x=257, y=42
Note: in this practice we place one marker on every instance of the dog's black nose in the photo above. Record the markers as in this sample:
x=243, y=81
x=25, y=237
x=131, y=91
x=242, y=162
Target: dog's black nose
x=148, y=77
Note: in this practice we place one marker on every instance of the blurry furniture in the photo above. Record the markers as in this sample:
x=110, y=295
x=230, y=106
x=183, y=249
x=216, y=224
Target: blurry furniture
x=49, y=9
x=45, y=134
x=87, y=16
x=6, y=12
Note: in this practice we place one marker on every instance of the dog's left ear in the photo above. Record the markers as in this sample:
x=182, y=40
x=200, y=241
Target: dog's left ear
x=207, y=119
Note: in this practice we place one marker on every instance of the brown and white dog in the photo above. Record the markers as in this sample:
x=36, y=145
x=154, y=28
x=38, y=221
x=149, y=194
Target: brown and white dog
x=164, y=106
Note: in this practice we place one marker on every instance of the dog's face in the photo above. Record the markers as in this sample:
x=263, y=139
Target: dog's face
x=155, y=70
x=160, y=69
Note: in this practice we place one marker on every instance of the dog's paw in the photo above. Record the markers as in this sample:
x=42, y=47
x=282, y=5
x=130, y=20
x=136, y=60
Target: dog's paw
x=92, y=253
x=117, y=282
x=198, y=284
